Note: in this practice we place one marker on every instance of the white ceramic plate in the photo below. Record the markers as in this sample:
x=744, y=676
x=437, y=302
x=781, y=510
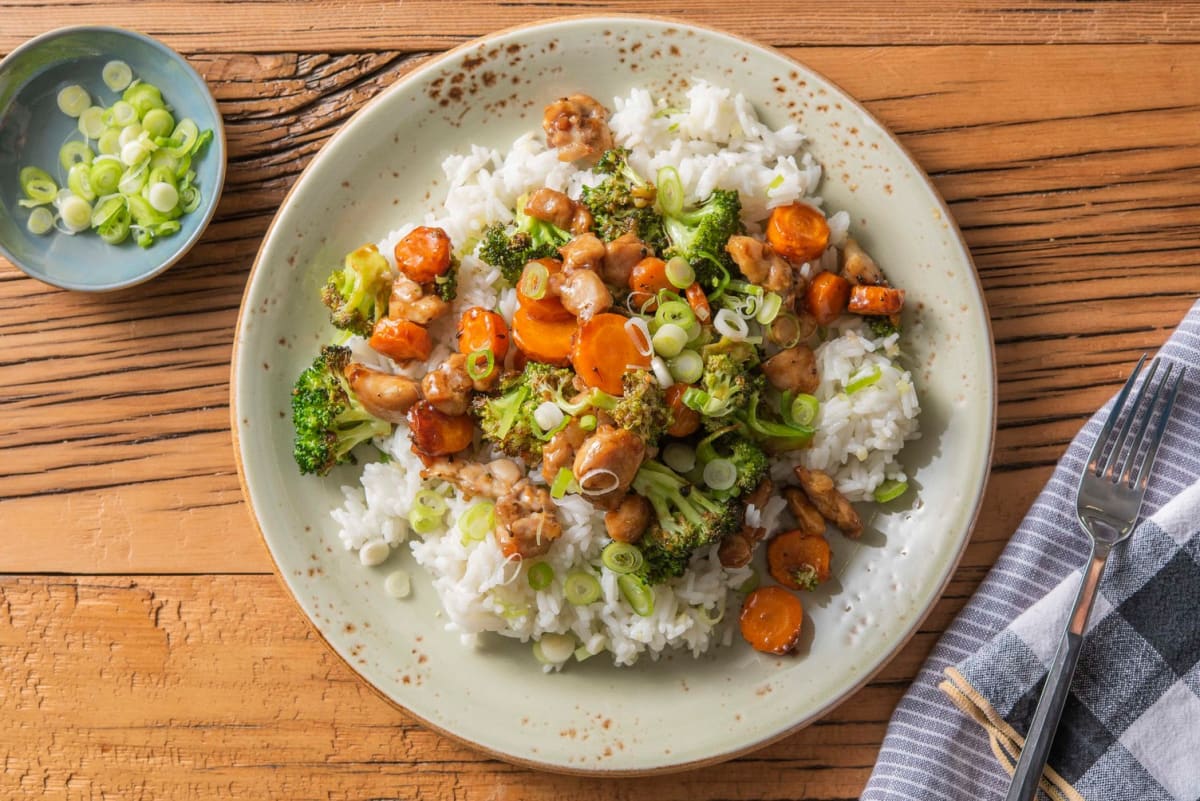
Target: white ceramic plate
x=373, y=175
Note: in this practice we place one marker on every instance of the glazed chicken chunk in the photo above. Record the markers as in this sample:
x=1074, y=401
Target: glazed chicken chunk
x=606, y=464
x=526, y=524
x=832, y=505
x=578, y=127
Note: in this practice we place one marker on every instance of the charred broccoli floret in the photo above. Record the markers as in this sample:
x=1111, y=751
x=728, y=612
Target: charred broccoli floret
x=727, y=384
x=748, y=459
x=328, y=419
x=510, y=247
x=687, y=518
x=446, y=284
x=623, y=202
x=701, y=233
x=357, y=295
x=881, y=327
x=506, y=419
x=642, y=409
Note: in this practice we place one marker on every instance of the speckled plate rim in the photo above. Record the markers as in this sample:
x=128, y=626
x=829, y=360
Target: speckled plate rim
x=975, y=500
x=184, y=247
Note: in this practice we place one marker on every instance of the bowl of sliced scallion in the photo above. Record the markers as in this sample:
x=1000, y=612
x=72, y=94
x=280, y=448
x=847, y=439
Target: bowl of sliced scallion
x=112, y=157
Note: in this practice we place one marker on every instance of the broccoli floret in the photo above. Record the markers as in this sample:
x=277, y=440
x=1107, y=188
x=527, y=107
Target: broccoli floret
x=507, y=420
x=687, y=517
x=328, y=419
x=357, y=295
x=747, y=457
x=700, y=235
x=728, y=382
x=642, y=408
x=658, y=564
x=510, y=248
x=881, y=327
x=446, y=284
x=623, y=202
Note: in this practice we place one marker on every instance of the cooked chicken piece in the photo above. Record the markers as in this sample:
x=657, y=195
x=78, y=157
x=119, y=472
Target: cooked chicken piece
x=559, y=452
x=437, y=434
x=384, y=395
x=577, y=126
x=606, y=464
x=474, y=478
x=794, y=369
x=628, y=521
x=759, y=496
x=737, y=549
x=409, y=302
x=449, y=387
x=832, y=505
x=552, y=206
x=857, y=265
x=620, y=256
x=581, y=220
x=763, y=266
x=584, y=252
x=526, y=524
x=583, y=294
x=808, y=519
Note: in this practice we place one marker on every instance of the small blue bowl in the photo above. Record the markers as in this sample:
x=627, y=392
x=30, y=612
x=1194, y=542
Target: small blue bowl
x=33, y=129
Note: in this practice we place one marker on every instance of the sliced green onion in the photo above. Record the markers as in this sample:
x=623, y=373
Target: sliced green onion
x=431, y=501
x=540, y=576
x=696, y=399
x=91, y=122
x=37, y=185
x=158, y=122
x=79, y=182
x=621, y=557
x=670, y=191
x=109, y=143
x=133, y=179
x=164, y=196
x=890, y=490
x=562, y=482
x=637, y=593
x=480, y=364
x=769, y=310
x=106, y=208
x=680, y=273
x=477, y=522
x=687, y=367
x=751, y=583
x=669, y=340
x=117, y=75
x=588, y=422
x=675, y=312
x=863, y=380
x=804, y=409
x=115, y=230
x=105, y=174
x=420, y=522
x=730, y=324
x=144, y=97
x=784, y=330
x=75, y=213
x=121, y=115
x=75, y=152
x=720, y=474
x=130, y=134
x=189, y=199
x=581, y=588
x=184, y=139
x=534, y=279
x=40, y=221
x=715, y=615
x=134, y=153
x=582, y=654
x=776, y=182
x=554, y=649
x=679, y=457
x=73, y=100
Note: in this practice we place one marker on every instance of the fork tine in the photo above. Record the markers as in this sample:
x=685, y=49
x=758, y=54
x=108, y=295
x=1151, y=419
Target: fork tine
x=1114, y=413
x=1109, y=463
x=1145, y=412
x=1152, y=450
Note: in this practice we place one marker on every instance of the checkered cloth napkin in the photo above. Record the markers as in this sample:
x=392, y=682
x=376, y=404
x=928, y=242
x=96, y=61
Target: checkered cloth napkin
x=1131, y=726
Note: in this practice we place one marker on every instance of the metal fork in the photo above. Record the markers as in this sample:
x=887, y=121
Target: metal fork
x=1108, y=501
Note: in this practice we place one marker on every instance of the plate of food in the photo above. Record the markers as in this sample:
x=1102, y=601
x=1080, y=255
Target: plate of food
x=614, y=394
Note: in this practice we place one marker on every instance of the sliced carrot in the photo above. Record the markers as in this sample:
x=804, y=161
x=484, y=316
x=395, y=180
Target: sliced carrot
x=827, y=297
x=438, y=434
x=772, y=619
x=423, y=254
x=798, y=560
x=866, y=299
x=481, y=329
x=546, y=341
x=401, y=340
x=604, y=350
x=684, y=419
x=548, y=306
x=648, y=278
x=798, y=232
x=699, y=302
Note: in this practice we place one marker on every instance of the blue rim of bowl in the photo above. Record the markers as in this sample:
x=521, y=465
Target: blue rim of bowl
x=218, y=135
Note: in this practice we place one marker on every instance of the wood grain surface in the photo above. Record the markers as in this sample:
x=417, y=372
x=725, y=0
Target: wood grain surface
x=146, y=651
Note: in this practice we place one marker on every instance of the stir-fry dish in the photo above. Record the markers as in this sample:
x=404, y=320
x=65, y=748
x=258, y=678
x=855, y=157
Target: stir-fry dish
x=620, y=359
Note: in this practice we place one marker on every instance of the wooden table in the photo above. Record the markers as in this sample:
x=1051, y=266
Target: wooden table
x=146, y=649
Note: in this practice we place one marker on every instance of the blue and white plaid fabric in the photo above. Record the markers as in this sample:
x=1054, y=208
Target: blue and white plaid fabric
x=1131, y=727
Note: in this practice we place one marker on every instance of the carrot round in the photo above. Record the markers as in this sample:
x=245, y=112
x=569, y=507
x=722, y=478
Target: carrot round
x=798, y=232
x=772, y=619
x=546, y=341
x=798, y=560
x=548, y=306
x=438, y=434
x=423, y=254
x=481, y=329
x=827, y=297
x=684, y=419
x=882, y=300
x=401, y=340
x=648, y=278
x=604, y=350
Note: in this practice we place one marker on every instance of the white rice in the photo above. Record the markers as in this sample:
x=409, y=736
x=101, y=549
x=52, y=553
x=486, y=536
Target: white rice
x=715, y=142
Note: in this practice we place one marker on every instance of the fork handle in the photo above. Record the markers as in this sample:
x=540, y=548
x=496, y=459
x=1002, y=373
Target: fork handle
x=1058, y=685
